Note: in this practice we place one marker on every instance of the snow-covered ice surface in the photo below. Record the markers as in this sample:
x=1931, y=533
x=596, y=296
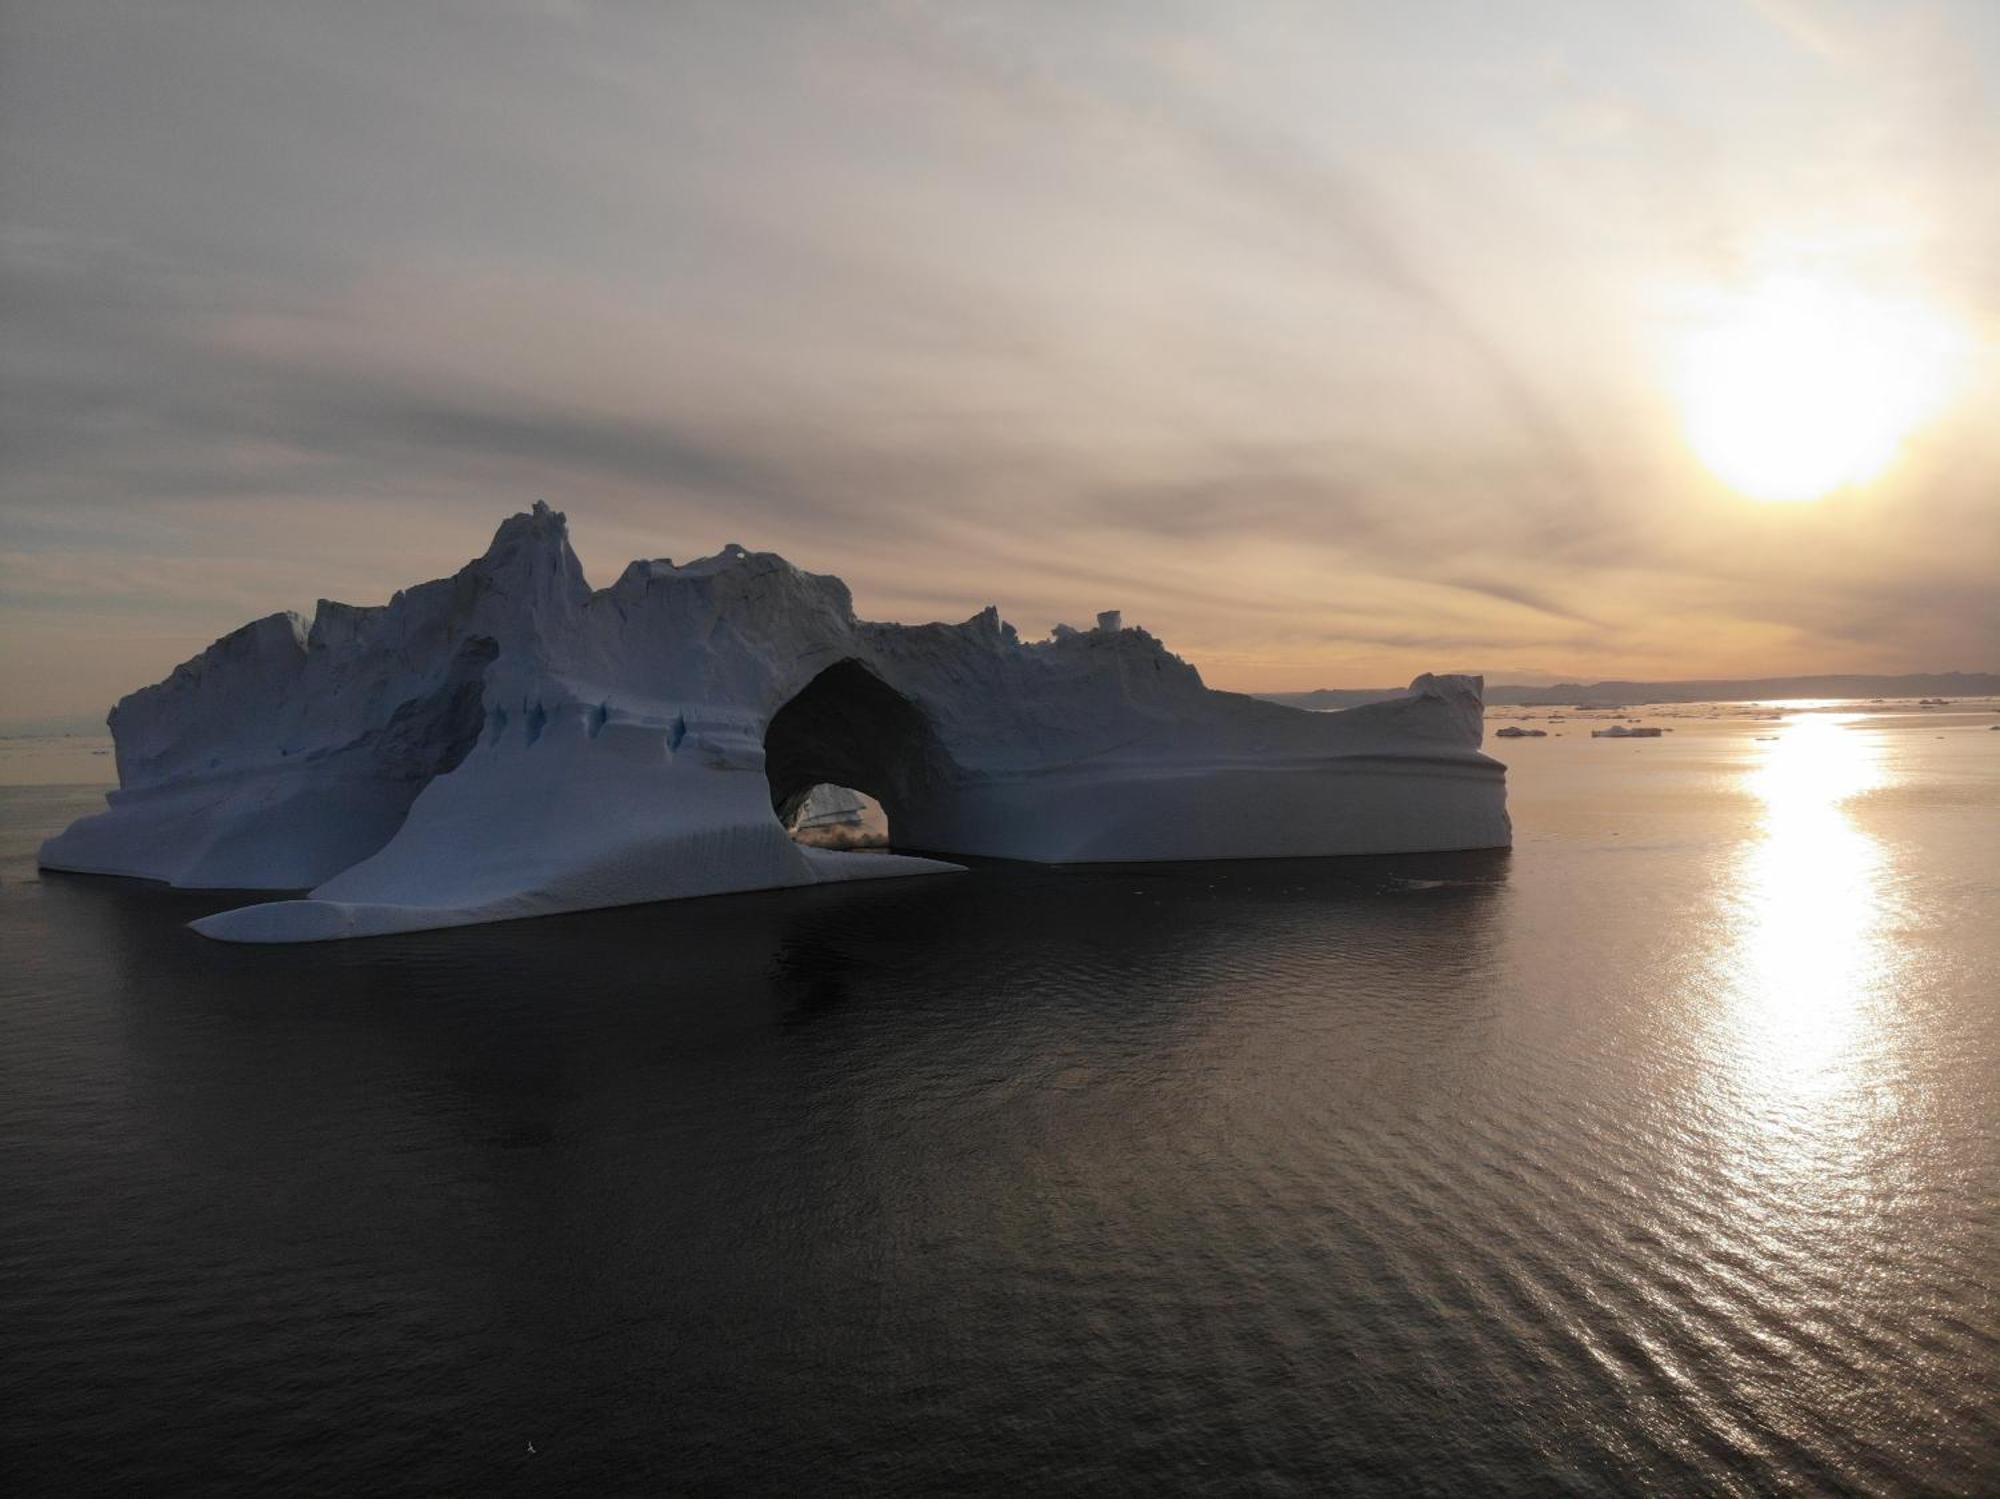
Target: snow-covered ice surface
x=506, y=742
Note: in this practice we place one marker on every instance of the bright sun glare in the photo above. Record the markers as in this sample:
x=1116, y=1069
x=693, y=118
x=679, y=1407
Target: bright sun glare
x=1803, y=386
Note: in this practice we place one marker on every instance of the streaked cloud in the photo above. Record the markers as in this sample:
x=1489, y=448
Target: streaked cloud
x=1325, y=341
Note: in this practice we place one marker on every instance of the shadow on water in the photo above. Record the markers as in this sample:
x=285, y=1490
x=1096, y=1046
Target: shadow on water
x=629, y=1183
x=527, y=1015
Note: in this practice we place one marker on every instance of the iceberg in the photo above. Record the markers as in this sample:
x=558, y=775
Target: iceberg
x=508, y=742
x=827, y=807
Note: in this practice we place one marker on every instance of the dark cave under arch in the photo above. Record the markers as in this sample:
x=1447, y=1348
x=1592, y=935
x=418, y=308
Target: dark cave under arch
x=847, y=727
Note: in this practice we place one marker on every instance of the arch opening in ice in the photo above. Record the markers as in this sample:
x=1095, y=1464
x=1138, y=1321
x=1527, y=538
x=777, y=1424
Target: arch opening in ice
x=848, y=730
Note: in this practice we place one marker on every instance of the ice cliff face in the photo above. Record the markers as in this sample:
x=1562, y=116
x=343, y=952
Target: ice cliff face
x=506, y=742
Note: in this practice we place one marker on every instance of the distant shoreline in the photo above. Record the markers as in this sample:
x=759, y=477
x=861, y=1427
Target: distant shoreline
x=1949, y=684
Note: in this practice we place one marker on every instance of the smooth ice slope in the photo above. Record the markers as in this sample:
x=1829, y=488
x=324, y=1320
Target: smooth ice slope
x=507, y=742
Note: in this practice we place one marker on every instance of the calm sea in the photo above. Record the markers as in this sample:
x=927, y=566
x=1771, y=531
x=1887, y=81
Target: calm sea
x=1661, y=1154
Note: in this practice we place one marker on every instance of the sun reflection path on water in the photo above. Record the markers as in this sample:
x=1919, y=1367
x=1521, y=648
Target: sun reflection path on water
x=1809, y=961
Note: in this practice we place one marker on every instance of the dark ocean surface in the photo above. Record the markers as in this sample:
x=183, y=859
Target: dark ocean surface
x=1661, y=1154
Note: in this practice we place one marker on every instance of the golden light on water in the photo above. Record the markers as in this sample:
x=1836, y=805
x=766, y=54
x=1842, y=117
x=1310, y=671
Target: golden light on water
x=1810, y=954
x=1804, y=386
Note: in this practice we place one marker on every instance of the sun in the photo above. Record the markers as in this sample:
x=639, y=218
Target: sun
x=1802, y=386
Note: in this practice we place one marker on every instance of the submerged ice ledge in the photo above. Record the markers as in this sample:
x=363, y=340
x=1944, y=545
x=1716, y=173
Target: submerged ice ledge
x=508, y=742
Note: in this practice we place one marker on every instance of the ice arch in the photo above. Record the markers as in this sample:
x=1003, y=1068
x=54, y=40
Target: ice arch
x=847, y=727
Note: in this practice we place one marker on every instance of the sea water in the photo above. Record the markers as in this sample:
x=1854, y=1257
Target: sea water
x=1661, y=1153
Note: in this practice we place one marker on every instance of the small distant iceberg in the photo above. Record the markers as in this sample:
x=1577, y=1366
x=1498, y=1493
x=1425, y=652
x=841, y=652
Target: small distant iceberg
x=1624, y=731
x=828, y=807
x=1515, y=731
x=835, y=817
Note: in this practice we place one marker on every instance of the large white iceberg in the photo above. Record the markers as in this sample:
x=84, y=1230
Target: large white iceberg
x=506, y=742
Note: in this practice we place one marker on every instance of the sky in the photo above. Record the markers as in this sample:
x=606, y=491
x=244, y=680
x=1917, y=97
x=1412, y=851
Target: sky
x=1330, y=342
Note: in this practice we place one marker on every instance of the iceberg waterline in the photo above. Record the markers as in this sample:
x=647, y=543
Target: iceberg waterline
x=507, y=742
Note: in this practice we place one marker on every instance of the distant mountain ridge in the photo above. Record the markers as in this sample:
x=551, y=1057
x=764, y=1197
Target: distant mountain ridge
x=1720, y=690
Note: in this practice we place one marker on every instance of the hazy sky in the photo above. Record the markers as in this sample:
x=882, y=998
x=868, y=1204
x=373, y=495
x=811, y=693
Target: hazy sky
x=1330, y=342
